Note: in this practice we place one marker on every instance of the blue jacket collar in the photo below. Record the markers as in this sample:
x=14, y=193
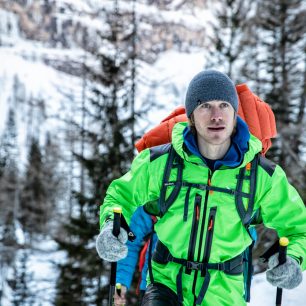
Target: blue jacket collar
x=235, y=153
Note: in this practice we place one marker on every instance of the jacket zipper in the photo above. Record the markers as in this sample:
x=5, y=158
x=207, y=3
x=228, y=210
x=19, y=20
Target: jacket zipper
x=201, y=236
x=209, y=233
x=194, y=229
x=203, y=219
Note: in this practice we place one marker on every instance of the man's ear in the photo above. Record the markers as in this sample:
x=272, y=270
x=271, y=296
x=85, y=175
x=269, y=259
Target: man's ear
x=235, y=124
x=192, y=124
x=191, y=120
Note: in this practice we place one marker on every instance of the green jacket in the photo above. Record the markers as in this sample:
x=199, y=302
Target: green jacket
x=280, y=206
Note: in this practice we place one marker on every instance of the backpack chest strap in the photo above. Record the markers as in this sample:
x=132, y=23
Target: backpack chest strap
x=205, y=187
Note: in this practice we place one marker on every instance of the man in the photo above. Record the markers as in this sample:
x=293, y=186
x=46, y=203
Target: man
x=207, y=187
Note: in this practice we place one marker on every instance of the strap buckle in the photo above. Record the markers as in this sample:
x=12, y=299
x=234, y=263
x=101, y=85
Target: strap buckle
x=221, y=266
x=193, y=265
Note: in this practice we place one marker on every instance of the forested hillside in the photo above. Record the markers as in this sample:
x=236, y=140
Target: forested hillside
x=81, y=80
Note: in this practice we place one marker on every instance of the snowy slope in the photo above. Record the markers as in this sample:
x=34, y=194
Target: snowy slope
x=263, y=294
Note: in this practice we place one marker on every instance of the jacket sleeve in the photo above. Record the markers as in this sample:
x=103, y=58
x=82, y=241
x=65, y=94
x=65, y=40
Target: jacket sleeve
x=133, y=189
x=141, y=225
x=283, y=210
x=144, y=271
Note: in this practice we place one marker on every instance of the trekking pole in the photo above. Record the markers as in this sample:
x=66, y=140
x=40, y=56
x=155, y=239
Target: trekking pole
x=283, y=243
x=116, y=230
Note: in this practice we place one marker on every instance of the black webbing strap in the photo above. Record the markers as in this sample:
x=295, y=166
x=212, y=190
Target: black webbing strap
x=211, y=188
x=173, y=161
x=150, y=257
x=167, y=171
x=231, y=267
x=246, y=214
x=204, y=288
x=123, y=224
x=186, y=204
x=249, y=273
x=179, y=285
x=253, y=176
x=246, y=218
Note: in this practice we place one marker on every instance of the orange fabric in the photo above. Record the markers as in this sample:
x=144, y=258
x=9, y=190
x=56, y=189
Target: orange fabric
x=256, y=113
x=161, y=133
x=248, y=166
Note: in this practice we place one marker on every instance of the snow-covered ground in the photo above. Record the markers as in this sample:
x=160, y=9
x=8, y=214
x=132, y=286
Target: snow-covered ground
x=264, y=294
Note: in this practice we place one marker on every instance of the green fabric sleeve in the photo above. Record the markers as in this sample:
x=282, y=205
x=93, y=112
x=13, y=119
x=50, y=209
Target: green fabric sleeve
x=282, y=209
x=131, y=190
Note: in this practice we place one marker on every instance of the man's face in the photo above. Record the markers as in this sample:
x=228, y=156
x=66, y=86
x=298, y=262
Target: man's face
x=214, y=122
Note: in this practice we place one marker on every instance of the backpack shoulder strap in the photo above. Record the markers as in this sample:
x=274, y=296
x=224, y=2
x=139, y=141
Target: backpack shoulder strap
x=173, y=161
x=246, y=214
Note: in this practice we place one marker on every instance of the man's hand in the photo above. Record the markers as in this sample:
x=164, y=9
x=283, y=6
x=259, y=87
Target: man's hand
x=119, y=297
x=108, y=246
x=288, y=275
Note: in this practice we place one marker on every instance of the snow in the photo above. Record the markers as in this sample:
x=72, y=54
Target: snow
x=9, y=33
x=77, y=5
x=41, y=270
x=195, y=21
x=165, y=83
x=264, y=294
x=40, y=82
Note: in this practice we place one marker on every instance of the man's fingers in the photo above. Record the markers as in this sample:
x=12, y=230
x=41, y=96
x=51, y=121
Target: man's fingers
x=120, y=300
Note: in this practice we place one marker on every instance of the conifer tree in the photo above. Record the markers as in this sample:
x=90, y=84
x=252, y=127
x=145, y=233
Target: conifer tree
x=272, y=65
x=53, y=181
x=20, y=282
x=225, y=44
x=8, y=196
x=33, y=198
x=108, y=134
x=8, y=180
x=283, y=31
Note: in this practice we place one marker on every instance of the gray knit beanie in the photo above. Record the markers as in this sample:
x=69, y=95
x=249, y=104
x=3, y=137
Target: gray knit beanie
x=207, y=86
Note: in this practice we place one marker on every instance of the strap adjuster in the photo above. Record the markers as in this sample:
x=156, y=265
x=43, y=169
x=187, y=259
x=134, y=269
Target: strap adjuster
x=221, y=266
x=193, y=265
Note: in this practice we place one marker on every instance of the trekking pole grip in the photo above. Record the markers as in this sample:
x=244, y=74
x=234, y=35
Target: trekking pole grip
x=116, y=231
x=116, y=226
x=283, y=243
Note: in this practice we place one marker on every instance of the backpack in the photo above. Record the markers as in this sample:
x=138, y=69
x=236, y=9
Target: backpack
x=261, y=122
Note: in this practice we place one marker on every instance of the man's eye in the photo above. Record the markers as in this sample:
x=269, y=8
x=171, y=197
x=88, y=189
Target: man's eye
x=224, y=105
x=205, y=105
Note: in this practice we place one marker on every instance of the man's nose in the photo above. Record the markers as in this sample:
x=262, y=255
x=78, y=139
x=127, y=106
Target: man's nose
x=216, y=114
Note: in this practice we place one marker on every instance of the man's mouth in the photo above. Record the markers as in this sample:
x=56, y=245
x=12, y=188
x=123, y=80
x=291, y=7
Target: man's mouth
x=216, y=128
